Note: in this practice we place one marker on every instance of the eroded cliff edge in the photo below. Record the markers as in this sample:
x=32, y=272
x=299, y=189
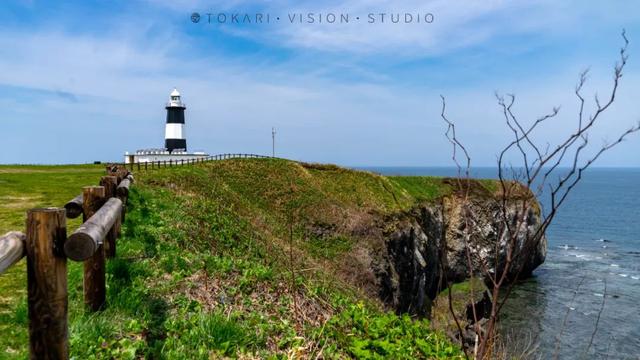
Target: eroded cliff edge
x=425, y=247
x=389, y=238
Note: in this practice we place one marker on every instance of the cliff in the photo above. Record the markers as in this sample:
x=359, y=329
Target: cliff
x=392, y=238
x=427, y=245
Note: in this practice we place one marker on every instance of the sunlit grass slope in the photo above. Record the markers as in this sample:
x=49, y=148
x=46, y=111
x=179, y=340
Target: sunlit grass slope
x=237, y=258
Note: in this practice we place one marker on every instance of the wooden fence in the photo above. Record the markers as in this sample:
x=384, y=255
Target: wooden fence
x=47, y=248
x=170, y=163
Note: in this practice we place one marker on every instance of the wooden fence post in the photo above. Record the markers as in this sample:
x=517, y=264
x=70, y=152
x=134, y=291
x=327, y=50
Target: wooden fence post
x=94, y=267
x=110, y=184
x=47, y=284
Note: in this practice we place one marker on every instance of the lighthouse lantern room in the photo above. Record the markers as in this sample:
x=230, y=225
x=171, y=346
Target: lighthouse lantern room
x=175, y=142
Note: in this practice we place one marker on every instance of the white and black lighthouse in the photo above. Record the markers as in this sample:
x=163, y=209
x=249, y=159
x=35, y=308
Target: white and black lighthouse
x=174, y=137
x=175, y=142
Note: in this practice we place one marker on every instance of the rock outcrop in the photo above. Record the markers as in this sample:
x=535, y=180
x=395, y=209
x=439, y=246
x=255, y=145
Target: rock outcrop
x=427, y=247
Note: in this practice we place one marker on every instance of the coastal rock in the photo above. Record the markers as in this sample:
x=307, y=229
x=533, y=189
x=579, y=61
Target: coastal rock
x=427, y=246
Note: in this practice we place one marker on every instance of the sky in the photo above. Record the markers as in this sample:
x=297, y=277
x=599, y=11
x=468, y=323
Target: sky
x=87, y=80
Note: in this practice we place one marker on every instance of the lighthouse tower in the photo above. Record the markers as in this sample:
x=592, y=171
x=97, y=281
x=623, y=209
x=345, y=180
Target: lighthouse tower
x=175, y=144
x=174, y=138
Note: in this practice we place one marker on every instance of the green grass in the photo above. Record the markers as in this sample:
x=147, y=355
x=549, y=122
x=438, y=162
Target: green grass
x=370, y=335
x=21, y=188
x=329, y=247
x=461, y=293
x=422, y=188
x=204, y=264
x=29, y=186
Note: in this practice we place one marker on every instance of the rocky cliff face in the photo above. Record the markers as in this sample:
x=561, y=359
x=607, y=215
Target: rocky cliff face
x=427, y=245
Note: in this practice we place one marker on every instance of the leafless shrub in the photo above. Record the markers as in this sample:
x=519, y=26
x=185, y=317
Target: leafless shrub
x=541, y=169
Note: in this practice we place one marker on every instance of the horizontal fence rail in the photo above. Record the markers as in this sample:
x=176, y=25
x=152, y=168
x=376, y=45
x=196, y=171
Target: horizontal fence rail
x=74, y=207
x=149, y=165
x=11, y=249
x=123, y=189
x=84, y=242
x=47, y=249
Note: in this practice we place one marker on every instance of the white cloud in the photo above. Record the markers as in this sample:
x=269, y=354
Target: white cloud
x=457, y=24
x=121, y=81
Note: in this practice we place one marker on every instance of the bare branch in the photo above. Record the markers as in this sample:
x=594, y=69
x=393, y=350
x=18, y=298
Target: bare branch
x=540, y=163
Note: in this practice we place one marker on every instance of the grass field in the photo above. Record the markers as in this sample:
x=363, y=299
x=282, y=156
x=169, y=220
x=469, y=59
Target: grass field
x=23, y=188
x=206, y=269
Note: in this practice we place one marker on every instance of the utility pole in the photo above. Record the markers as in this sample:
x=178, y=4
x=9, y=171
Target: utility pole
x=273, y=142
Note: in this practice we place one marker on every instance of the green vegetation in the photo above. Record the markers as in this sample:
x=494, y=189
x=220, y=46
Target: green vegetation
x=26, y=187
x=369, y=335
x=237, y=258
x=22, y=188
x=422, y=188
x=461, y=295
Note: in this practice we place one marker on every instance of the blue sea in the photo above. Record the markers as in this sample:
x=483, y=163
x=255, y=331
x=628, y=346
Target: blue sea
x=591, y=274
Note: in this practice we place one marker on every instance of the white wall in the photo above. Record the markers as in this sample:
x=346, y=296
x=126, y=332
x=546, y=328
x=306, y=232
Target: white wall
x=161, y=157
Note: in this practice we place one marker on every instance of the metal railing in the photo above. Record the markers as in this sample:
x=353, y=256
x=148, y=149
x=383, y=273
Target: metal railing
x=149, y=165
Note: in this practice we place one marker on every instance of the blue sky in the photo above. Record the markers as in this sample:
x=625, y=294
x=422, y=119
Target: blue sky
x=87, y=80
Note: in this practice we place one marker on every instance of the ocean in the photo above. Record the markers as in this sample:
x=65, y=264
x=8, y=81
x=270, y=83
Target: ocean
x=591, y=274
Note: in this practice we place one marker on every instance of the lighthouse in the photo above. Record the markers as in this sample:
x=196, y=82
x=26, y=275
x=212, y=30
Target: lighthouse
x=175, y=143
x=174, y=138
